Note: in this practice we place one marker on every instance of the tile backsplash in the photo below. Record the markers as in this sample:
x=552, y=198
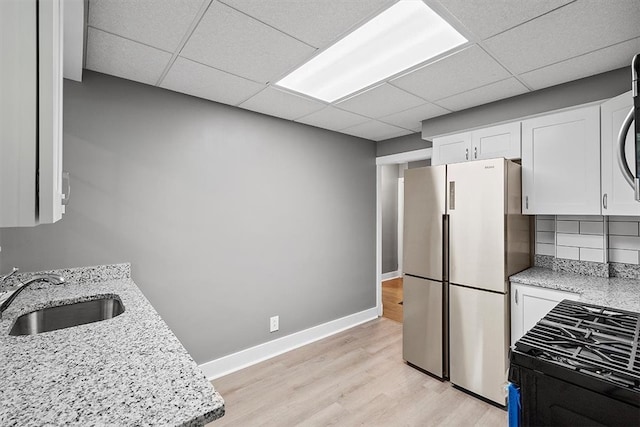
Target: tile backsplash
x=589, y=238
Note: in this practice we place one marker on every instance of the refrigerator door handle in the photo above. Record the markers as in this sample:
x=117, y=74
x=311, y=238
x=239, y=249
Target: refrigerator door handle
x=445, y=248
x=452, y=195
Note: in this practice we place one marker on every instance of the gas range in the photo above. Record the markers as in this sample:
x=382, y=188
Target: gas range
x=579, y=365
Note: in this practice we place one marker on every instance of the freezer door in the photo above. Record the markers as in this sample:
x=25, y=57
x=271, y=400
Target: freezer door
x=422, y=324
x=424, y=206
x=479, y=341
x=476, y=209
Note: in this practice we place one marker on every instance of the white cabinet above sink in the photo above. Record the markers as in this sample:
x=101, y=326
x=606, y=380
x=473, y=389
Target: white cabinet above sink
x=31, y=112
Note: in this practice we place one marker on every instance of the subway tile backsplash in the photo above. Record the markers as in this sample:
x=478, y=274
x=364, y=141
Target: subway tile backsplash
x=589, y=238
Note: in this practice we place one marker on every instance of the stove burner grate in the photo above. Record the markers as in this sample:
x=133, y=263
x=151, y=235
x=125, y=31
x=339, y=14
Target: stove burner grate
x=597, y=341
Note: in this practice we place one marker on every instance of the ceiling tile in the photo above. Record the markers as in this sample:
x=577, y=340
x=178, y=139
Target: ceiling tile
x=596, y=62
x=317, y=22
x=380, y=101
x=460, y=72
x=158, y=23
x=413, y=117
x=205, y=82
x=234, y=42
x=485, y=18
x=567, y=32
x=282, y=104
x=483, y=95
x=376, y=131
x=332, y=118
x=124, y=58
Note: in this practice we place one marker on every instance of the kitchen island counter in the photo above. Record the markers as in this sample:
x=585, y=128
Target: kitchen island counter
x=128, y=370
x=613, y=292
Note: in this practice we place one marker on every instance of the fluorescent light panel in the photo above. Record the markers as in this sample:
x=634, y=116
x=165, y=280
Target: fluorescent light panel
x=404, y=35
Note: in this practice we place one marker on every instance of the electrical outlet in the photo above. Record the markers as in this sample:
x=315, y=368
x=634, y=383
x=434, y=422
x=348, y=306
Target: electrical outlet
x=274, y=323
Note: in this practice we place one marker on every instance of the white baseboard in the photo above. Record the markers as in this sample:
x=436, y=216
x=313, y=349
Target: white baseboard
x=391, y=275
x=250, y=356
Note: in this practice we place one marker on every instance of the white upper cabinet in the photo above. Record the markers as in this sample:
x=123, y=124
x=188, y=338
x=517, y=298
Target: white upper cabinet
x=451, y=149
x=561, y=163
x=30, y=112
x=487, y=143
x=496, y=141
x=617, y=195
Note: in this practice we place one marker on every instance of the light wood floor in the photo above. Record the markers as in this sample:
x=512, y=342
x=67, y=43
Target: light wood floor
x=353, y=378
x=391, y=299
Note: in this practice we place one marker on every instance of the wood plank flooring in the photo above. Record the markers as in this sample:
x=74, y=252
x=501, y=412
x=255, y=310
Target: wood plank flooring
x=356, y=377
x=391, y=299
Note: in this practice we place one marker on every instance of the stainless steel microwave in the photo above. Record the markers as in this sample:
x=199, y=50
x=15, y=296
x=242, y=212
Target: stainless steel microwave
x=632, y=178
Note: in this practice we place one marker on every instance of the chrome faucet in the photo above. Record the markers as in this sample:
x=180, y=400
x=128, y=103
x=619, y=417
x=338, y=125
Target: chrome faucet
x=6, y=276
x=54, y=279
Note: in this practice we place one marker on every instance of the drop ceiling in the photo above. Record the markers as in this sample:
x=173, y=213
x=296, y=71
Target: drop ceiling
x=233, y=51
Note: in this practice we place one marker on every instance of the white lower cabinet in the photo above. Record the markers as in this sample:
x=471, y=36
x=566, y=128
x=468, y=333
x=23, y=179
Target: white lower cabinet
x=529, y=304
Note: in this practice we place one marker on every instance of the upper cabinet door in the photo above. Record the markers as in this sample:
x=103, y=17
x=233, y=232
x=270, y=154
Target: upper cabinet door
x=617, y=195
x=18, y=112
x=451, y=149
x=50, y=76
x=30, y=112
x=496, y=141
x=561, y=163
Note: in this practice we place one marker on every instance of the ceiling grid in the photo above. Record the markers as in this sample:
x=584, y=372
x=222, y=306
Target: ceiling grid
x=232, y=51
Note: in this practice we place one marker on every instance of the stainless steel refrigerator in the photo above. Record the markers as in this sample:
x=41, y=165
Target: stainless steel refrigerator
x=464, y=235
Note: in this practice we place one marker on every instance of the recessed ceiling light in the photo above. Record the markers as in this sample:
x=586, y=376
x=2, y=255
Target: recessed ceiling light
x=404, y=35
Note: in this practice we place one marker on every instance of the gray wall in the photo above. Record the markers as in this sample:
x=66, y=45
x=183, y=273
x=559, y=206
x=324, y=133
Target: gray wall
x=582, y=91
x=227, y=216
x=389, y=201
x=401, y=144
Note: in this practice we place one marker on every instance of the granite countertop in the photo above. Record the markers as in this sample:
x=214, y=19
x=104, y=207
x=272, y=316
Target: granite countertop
x=614, y=292
x=129, y=370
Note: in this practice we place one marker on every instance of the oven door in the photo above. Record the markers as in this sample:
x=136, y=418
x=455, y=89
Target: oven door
x=547, y=400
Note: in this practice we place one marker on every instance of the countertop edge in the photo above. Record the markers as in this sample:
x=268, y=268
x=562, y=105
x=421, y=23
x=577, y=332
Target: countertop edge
x=92, y=350
x=614, y=292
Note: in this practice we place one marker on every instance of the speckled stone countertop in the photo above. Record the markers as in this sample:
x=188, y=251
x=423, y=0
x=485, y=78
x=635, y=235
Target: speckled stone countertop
x=129, y=370
x=610, y=292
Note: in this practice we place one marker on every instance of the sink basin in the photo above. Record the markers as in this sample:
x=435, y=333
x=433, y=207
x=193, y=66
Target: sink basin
x=66, y=316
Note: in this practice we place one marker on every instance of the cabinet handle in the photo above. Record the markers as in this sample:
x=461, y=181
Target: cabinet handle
x=516, y=296
x=604, y=201
x=466, y=154
x=67, y=194
x=526, y=202
x=475, y=152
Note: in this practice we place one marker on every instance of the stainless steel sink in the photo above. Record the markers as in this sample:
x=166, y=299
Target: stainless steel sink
x=66, y=316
